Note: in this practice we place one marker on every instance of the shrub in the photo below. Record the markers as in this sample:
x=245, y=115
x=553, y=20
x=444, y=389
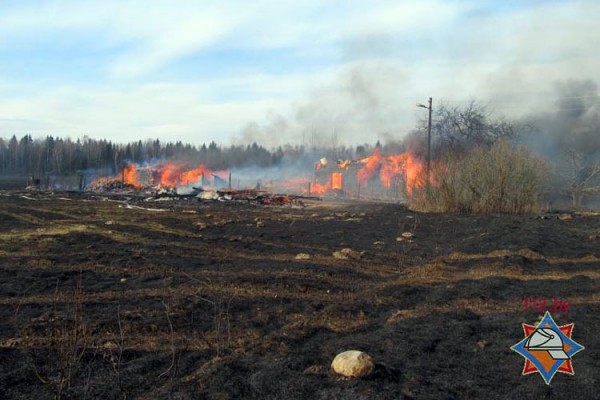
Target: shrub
x=503, y=178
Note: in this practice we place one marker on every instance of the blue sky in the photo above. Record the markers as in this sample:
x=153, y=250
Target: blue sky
x=277, y=71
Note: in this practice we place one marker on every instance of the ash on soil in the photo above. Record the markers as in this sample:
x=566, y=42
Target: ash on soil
x=184, y=299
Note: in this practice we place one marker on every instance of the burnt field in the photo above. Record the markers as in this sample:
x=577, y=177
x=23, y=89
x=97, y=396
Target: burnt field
x=116, y=297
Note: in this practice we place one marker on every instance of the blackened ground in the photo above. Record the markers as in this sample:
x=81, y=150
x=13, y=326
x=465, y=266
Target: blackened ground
x=182, y=299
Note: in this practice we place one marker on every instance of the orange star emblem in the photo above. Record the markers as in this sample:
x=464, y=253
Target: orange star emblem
x=548, y=348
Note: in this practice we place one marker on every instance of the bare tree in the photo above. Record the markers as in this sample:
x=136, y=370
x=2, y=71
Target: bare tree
x=580, y=179
x=460, y=128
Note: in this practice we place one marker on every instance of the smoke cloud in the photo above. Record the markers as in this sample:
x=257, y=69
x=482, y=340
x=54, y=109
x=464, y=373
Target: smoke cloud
x=571, y=124
x=359, y=105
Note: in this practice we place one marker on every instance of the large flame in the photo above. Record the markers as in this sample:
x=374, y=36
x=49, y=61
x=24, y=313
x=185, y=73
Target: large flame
x=169, y=174
x=130, y=175
x=193, y=175
x=317, y=188
x=127, y=176
x=392, y=170
x=371, y=163
x=336, y=181
x=177, y=174
x=402, y=165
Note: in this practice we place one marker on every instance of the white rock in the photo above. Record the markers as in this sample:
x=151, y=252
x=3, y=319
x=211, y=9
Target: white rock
x=353, y=364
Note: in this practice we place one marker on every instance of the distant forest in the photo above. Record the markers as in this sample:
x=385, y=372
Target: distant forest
x=60, y=157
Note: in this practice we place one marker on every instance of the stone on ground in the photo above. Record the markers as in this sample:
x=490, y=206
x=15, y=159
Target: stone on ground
x=347, y=254
x=353, y=364
x=302, y=256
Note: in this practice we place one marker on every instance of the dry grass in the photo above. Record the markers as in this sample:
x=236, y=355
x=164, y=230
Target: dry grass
x=477, y=306
x=49, y=230
x=524, y=252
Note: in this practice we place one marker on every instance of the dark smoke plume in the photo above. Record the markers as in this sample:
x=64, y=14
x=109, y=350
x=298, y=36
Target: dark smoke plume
x=573, y=125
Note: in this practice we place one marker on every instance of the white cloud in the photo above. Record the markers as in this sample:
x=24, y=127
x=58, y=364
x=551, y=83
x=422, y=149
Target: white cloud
x=182, y=111
x=383, y=57
x=156, y=33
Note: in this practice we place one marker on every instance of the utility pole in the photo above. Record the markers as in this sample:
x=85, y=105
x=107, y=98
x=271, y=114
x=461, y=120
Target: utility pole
x=430, y=108
x=429, y=142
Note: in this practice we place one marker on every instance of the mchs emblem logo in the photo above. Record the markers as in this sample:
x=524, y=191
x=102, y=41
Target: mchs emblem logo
x=548, y=348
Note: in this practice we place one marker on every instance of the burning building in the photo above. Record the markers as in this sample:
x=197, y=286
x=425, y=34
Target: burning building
x=384, y=176
x=377, y=176
x=161, y=175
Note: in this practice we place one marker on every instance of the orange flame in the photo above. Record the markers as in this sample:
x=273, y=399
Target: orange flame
x=176, y=174
x=130, y=175
x=415, y=174
x=392, y=171
x=402, y=164
x=365, y=174
x=344, y=164
x=336, y=180
x=317, y=188
x=192, y=176
x=169, y=174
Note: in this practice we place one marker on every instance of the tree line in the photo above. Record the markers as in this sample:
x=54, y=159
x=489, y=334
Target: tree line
x=57, y=156
x=457, y=131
